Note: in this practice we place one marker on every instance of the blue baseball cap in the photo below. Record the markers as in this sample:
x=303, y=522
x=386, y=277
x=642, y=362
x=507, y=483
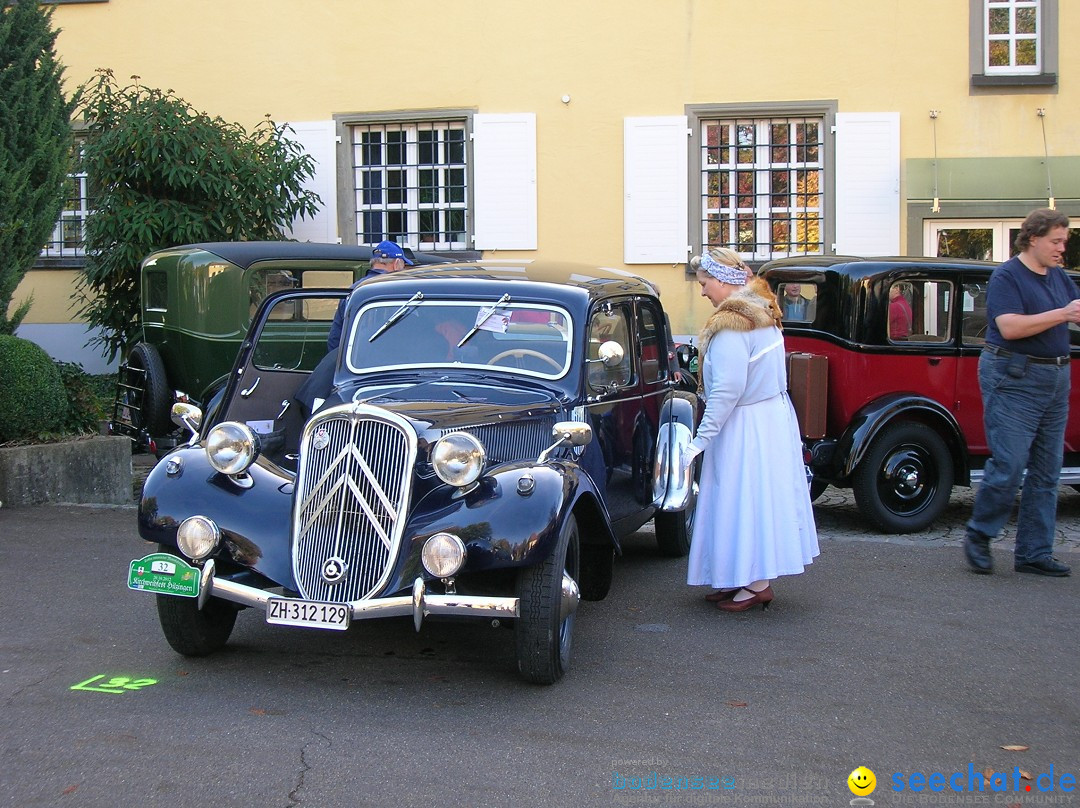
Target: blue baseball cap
x=390, y=250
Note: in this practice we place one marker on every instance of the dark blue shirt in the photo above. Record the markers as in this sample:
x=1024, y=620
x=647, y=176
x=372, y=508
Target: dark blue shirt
x=334, y=337
x=1015, y=289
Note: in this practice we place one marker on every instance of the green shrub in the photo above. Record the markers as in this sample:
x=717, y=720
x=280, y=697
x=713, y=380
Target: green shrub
x=85, y=407
x=167, y=174
x=33, y=401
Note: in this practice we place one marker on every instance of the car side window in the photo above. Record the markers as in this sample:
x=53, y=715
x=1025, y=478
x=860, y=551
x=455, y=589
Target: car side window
x=920, y=311
x=266, y=282
x=291, y=334
x=653, y=364
x=609, y=324
x=973, y=317
x=798, y=301
x=157, y=290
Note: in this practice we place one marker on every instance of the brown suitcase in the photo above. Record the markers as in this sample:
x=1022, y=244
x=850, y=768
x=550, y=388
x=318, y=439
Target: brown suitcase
x=808, y=377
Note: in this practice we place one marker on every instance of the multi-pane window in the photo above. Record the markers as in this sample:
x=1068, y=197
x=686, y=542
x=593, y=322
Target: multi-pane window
x=67, y=239
x=1013, y=31
x=762, y=186
x=410, y=184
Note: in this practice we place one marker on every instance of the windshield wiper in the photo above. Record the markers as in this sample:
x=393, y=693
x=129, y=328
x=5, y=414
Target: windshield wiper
x=398, y=390
x=397, y=315
x=481, y=318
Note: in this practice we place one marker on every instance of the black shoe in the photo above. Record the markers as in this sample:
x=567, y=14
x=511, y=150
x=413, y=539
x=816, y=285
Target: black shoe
x=1044, y=566
x=977, y=552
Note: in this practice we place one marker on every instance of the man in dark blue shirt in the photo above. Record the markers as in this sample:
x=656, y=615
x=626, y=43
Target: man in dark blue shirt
x=1024, y=379
x=385, y=257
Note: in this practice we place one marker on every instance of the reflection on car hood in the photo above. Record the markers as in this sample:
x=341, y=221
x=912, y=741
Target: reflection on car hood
x=445, y=403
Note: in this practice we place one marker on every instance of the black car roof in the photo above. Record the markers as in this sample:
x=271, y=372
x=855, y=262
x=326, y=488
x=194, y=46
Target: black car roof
x=863, y=266
x=535, y=279
x=246, y=253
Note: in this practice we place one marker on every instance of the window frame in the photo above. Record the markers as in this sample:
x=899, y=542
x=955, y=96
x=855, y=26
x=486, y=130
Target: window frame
x=933, y=332
x=760, y=113
x=1002, y=245
x=349, y=225
x=1004, y=230
x=54, y=253
x=1046, y=72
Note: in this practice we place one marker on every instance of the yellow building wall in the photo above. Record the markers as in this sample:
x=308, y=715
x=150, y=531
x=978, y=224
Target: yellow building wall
x=51, y=291
x=242, y=59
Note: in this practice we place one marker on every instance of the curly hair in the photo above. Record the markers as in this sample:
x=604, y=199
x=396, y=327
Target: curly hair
x=1039, y=223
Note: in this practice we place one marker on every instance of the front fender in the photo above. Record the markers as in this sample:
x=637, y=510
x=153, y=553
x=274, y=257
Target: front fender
x=673, y=472
x=511, y=519
x=255, y=523
x=875, y=416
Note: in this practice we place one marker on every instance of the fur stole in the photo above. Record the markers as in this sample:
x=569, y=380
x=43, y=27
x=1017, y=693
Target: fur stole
x=753, y=306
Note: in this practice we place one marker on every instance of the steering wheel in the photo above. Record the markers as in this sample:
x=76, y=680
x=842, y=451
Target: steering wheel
x=519, y=353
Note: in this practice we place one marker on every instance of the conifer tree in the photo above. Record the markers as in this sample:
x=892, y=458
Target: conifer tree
x=35, y=145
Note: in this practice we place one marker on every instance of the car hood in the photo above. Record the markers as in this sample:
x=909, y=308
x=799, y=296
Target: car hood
x=446, y=403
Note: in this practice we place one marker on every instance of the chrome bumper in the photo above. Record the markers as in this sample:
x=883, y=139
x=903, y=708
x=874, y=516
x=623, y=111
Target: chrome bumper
x=419, y=604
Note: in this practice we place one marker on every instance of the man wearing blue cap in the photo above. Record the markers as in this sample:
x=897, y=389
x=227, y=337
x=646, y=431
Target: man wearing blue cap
x=385, y=257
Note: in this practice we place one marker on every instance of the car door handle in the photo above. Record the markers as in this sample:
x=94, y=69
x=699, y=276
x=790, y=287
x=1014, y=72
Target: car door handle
x=934, y=360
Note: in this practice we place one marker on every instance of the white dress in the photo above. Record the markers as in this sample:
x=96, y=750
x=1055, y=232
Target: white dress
x=754, y=520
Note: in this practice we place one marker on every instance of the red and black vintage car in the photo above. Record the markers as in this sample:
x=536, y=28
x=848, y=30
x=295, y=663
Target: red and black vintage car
x=896, y=399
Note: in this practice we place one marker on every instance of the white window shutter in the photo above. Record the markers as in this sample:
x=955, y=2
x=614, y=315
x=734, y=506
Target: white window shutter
x=868, y=183
x=504, y=177
x=317, y=138
x=655, y=208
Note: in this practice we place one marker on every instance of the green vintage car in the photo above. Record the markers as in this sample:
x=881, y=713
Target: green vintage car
x=197, y=301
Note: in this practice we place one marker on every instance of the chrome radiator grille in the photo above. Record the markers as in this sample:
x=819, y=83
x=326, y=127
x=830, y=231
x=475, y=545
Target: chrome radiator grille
x=520, y=440
x=354, y=480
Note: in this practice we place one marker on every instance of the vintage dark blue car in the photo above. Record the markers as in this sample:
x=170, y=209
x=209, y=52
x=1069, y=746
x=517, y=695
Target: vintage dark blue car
x=477, y=446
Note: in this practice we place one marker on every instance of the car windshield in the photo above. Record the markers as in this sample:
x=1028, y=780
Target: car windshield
x=527, y=338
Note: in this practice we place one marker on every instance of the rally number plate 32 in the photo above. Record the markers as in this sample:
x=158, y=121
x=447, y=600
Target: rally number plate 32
x=308, y=613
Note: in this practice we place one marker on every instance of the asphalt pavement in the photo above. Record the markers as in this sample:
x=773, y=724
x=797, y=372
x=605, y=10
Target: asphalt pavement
x=886, y=653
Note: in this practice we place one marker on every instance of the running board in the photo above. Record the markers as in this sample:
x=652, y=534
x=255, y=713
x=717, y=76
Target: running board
x=1070, y=475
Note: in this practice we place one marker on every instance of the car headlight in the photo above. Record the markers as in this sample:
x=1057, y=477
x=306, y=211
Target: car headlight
x=197, y=537
x=231, y=447
x=458, y=459
x=443, y=555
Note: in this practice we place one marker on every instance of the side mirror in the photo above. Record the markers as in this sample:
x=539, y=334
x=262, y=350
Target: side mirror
x=611, y=354
x=607, y=372
x=187, y=415
x=567, y=433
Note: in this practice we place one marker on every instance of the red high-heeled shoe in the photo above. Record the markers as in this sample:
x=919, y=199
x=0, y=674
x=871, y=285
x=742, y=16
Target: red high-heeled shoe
x=764, y=597
x=722, y=595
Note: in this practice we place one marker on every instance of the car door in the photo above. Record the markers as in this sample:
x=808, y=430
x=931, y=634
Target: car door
x=615, y=406
x=921, y=329
x=968, y=408
x=286, y=343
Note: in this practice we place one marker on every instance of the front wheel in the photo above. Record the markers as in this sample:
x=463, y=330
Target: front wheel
x=192, y=631
x=545, y=625
x=597, y=568
x=904, y=482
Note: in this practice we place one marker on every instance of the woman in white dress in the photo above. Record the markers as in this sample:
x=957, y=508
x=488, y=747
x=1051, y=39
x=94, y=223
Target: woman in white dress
x=754, y=521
